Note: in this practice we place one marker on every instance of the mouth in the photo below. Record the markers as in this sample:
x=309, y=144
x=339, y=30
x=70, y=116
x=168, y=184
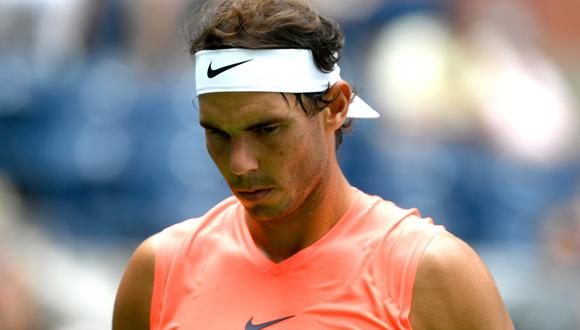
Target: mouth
x=254, y=195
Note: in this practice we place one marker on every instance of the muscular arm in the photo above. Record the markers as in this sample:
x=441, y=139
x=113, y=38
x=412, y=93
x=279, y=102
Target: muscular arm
x=454, y=290
x=133, y=300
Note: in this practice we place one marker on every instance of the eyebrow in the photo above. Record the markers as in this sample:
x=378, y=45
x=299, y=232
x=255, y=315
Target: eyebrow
x=263, y=123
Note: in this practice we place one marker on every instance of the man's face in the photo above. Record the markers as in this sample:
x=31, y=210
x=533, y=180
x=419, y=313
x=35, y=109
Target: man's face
x=271, y=154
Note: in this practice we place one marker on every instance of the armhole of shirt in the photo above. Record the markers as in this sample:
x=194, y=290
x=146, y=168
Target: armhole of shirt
x=170, y=241
x=415, y=235
x=166, y=247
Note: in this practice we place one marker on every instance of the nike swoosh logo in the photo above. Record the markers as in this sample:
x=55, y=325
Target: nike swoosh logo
x=211, y=73
x=251, y=326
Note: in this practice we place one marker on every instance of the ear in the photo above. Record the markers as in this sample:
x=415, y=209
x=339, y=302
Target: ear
x=335, y=112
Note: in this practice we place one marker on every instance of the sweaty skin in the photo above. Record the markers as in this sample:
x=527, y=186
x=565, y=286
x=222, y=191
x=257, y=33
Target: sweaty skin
x=282, y=167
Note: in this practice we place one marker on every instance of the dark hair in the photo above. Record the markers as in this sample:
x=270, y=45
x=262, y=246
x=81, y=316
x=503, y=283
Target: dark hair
x=271, y=24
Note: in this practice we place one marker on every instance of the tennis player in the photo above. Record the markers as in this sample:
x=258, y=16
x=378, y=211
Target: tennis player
x=296, y=246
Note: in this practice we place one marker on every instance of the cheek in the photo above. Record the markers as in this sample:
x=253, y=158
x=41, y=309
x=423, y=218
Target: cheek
x=305, y=159
x=217, y=152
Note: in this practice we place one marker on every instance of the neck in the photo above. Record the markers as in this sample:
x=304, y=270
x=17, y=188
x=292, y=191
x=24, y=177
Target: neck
x=321, y=210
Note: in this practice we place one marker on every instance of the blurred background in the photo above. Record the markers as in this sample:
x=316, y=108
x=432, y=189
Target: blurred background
x=100, y=146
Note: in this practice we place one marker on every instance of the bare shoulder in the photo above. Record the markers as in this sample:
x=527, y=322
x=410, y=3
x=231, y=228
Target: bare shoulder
x=133, y=301
x=454, y=290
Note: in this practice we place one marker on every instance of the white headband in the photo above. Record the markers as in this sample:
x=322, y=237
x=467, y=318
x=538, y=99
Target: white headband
x=267, y=70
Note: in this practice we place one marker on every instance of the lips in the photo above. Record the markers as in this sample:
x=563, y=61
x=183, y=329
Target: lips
x=254, y=195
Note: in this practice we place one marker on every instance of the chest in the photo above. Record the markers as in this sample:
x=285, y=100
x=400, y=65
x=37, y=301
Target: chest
x=340, y=287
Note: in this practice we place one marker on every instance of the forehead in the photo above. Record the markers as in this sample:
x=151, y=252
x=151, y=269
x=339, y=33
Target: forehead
x=228, y=108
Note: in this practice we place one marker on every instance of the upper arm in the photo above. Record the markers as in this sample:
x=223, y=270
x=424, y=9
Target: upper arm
x=133, y=302
x=454, y=290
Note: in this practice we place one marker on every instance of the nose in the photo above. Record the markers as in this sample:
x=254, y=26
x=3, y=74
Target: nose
x=242, y=158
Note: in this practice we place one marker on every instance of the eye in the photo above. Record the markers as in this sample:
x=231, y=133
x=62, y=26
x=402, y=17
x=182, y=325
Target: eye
x=268, y=130
x=217, y=133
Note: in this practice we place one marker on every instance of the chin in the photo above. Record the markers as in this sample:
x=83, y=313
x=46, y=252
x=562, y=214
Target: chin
x=265, y=213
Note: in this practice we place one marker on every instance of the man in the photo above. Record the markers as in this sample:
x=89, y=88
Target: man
x=296, y=247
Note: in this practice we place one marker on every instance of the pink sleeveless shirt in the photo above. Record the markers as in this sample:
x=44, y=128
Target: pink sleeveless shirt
x=209, y=274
